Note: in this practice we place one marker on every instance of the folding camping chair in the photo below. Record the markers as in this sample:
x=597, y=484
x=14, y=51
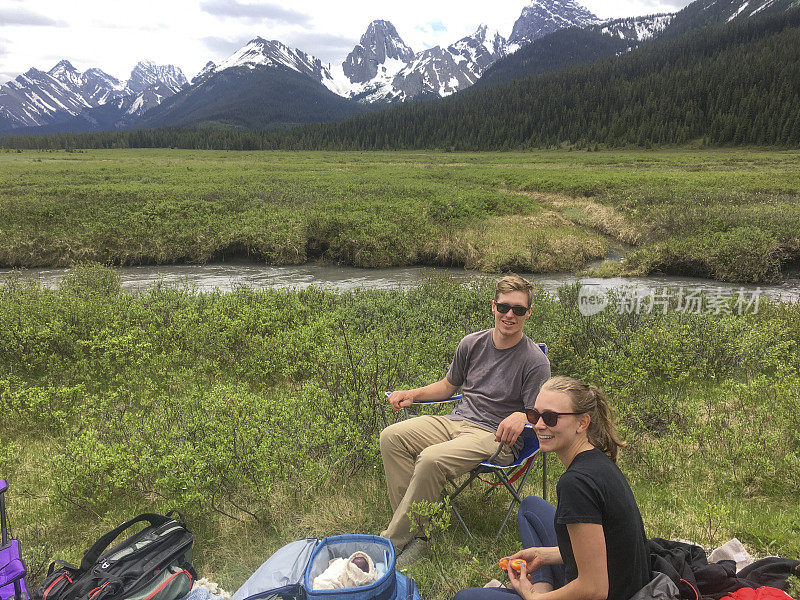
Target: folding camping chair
x=12, y=569
x=505, y=475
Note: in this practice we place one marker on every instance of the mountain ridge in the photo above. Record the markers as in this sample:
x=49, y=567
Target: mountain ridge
x=548, y=35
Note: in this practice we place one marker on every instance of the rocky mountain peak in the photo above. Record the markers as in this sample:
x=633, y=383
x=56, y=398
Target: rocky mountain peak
x=66, y=73
x=206, y=70
x=62, y=66
x=542, y=17
x=146, y=74
x=380, y=45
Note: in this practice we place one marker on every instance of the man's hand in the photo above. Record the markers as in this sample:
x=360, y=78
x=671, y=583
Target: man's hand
x=441, y=390
x=509, y=429
x=401, y=399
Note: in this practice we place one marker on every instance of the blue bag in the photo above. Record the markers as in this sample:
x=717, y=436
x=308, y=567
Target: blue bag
x=288, y=574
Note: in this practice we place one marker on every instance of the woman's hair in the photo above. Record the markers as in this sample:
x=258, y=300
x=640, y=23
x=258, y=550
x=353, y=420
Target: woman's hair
x=590, y=400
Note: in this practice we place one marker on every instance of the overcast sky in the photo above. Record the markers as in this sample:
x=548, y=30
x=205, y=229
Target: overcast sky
x=115, y=34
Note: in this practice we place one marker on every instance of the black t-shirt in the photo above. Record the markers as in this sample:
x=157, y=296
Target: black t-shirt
x=594, y=490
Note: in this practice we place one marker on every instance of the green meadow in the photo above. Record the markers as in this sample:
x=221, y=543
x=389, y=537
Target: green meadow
x=726, y=214
x=257, y=413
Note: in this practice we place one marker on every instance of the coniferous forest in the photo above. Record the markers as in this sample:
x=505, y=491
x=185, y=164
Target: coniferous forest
x=736, y=84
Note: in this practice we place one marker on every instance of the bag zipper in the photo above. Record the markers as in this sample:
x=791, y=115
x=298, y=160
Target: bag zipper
x=169, y=579
x=112, y=557
x=55, y=581
x=97, y=590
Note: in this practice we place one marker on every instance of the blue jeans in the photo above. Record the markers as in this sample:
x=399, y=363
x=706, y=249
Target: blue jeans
x=535, y=518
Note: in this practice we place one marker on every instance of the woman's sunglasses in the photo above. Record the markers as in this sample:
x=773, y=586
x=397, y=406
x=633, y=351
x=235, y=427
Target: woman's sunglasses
x=503, y=308
x=550, y=417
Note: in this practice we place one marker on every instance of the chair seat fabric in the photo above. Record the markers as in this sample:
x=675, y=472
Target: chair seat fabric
x=12, y=569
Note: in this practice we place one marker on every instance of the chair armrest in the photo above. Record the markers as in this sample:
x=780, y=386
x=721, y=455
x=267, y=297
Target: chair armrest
x=12, y=571
x=455, y=398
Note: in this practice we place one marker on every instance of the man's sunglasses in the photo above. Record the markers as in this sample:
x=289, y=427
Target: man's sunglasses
x=550, y=417
x=503, y=308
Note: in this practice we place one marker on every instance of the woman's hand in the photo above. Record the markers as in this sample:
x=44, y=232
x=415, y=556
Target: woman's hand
x=535, y=558
x=522, y=582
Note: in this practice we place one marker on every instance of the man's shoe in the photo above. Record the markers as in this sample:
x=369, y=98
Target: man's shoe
x=412, y=552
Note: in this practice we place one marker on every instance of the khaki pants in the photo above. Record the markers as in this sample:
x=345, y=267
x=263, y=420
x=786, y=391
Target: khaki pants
x=420, y=454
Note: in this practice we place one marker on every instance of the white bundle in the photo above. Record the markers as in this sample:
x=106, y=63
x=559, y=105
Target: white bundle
x=344, y=573
x=213, y=589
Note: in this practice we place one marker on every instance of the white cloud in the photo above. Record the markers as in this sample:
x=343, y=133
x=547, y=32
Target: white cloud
x=19, y=15
x=253, y=12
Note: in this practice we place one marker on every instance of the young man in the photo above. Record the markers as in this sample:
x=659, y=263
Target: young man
x=499, y=371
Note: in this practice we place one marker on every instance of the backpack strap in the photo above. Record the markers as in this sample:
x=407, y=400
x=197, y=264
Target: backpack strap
x=411, y=587
x=60, y=563
x=92, y=554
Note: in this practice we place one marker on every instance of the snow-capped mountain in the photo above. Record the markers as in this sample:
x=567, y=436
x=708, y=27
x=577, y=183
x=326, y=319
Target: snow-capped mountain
x=541, y=17
x=402, y=74
x=263, y=53
x=36, y=98
x=379, y=48
x=381, y=68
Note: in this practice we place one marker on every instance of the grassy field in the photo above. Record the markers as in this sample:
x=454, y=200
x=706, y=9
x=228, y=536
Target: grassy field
x=726, y=214
x=256, y=413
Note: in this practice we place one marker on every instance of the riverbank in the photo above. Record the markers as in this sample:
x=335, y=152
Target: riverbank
x=243, y=409
x=728, y=215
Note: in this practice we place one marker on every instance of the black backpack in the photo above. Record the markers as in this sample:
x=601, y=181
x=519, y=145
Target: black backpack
x=153, y=564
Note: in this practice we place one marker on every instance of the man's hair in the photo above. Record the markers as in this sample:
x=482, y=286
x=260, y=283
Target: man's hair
x=513, y=283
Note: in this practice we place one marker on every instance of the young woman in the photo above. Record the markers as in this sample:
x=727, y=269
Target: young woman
x=592, y=545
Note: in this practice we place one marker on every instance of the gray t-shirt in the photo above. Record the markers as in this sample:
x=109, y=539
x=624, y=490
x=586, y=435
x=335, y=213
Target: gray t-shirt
x=495, y=383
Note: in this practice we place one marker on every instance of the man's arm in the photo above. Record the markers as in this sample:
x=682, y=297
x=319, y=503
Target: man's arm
x=512, y=426
x=441, y=390
x=509, y=429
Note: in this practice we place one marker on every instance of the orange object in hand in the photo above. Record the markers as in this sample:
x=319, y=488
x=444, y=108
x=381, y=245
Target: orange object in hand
x=516, y=563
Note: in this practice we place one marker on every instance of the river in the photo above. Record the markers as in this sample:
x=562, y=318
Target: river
x=228, y=276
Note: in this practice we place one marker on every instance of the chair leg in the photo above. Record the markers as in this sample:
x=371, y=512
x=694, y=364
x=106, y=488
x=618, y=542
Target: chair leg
x=461, y=520
x=452, y=497
x=544, y=476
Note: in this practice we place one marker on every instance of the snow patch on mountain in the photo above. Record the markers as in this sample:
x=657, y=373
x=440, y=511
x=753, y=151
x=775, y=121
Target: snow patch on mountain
x=636, y=29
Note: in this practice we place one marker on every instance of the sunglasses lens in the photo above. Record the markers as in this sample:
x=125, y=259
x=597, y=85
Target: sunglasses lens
x=550, y=418
x=519, y=310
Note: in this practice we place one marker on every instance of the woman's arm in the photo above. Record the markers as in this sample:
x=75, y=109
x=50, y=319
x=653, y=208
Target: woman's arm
x=589, y=546
x=538, y=557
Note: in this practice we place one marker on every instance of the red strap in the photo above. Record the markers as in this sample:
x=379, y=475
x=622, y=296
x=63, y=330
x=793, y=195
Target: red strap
x=516, y=475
